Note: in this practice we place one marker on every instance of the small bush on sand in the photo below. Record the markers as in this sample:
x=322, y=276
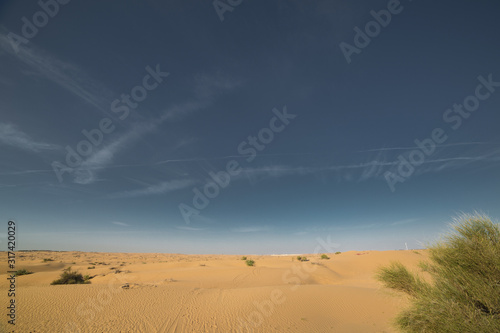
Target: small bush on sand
x=250, y=262
x=47, y=259
x=22, y=272
x=299, y=258
x=338, y=252
x=71, y=277
x=243, y=258
x=324, y=256
x=464, y=295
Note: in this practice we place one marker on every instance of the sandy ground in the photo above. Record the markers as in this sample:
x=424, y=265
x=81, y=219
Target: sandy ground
x=204, y=293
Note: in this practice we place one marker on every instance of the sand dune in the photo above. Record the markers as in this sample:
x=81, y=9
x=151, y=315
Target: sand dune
x=206, y=293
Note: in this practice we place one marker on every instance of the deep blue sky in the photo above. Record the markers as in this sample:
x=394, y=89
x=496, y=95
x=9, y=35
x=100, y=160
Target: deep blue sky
x=324, y=175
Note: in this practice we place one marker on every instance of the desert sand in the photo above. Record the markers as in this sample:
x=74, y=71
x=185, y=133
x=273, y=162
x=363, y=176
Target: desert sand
x=154, y=292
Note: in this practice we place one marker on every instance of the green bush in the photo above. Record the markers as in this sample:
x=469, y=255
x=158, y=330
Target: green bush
x=464, y=294
x=71, y=277
x=243, y=258
x=22, y=272
x=338, y=252
x=299, y=258
x=250, y=262
x=397, y=277
x=47, y=259
x=324, y=256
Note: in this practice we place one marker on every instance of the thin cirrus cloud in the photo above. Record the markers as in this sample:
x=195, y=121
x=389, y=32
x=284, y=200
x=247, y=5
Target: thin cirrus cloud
x=209, y=86
x=74, y=80
x=120, y=224
x=406, y=221
x=250, y=229
x=64, y=74
x=87, y=172
x=181, y=227
x=437, y=146
x=284, y=170
x=10, y=135
x=161, y=188
x=71, y=78
x=104, y=157
x=374, y=169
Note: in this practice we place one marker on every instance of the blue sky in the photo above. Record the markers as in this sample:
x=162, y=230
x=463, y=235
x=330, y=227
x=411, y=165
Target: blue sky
x=313, y=114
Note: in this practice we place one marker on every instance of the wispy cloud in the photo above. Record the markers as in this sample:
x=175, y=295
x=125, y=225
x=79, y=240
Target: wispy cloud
x=74, y=80
x=407, y=221
x=441, y=164
x=374, y=169
x=24, y=172
x=437, y=146
x=324, y=228
x=104, y=157
x=3, y=185
x=12, y=136
x=180, y=111
x=208, y=86
x=65, y=74
x=181, y=227
x=367, y=169
x=250, y=229
x=120, y=224
x=161, y=188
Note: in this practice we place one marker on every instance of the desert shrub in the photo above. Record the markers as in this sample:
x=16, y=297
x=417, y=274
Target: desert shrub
x=324, y=256
x=71, y=277
x=299, y=258
x=91, y=267
x=22, y=272
x=397, y=277
x=47, y=259
x=464, y=294
x=250, y=262
x=243, y=258
x=338, y=252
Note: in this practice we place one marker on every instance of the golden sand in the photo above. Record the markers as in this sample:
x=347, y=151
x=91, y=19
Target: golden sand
x=157, y=292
